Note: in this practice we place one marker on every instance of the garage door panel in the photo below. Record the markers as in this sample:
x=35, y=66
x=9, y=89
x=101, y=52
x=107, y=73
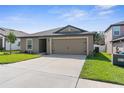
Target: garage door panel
x=69, y=46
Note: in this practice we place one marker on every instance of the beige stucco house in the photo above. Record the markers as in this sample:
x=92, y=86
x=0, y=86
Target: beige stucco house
x=63, y=40
x=6, y=45
x=114, y=37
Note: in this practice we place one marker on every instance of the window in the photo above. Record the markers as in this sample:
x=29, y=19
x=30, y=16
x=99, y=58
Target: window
x=18, y=43
x=116, y=30
x=29, y=44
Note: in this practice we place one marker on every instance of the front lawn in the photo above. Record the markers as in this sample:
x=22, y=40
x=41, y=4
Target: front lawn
x=8, y=52
x=100, y=68
x=5, y=59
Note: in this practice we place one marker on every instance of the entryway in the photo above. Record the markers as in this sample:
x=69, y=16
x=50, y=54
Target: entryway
x=42, y=45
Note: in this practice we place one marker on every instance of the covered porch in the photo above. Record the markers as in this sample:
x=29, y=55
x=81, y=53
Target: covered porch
x=118, y=43
x=2, y=42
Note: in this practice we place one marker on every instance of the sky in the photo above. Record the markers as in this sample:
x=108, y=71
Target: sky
x=36, y=18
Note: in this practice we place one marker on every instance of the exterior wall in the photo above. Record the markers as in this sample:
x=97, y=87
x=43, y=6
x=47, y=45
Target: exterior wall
x=108, y=39
x=121, y=32
x=15, y=46
x=35, y=44
x=23, y=44
x=90, y=44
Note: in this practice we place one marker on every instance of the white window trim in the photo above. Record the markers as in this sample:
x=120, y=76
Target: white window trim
x=27, y=44
x=113, y=31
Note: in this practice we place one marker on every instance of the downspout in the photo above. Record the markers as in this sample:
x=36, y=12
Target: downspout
x=112, y=47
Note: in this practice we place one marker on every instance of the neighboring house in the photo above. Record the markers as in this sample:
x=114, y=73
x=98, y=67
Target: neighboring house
x=114, y=37
x=63, y=40
x=3, y=42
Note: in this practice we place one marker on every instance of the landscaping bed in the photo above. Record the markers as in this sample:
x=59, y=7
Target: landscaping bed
x=100, y=68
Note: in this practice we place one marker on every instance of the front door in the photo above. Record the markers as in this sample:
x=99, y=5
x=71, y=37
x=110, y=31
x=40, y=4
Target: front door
x=42, y=45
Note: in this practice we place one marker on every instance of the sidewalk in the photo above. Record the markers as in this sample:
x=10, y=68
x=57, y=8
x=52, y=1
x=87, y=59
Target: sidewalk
x=84, y=83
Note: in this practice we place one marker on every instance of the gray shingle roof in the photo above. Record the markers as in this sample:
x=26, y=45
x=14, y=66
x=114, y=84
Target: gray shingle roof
x=47, y=32
x=6, y=31
x=117, y=39
x=119, y=23
x=115, y=24
x=56, y=32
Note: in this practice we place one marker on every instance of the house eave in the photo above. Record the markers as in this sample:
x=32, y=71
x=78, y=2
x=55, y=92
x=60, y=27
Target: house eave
x=57, y=35
x=113, y=25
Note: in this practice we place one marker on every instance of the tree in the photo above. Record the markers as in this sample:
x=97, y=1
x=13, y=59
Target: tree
x=99, y=38
x=11, y=38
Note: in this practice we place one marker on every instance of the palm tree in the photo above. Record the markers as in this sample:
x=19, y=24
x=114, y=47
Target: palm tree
x=11, y=38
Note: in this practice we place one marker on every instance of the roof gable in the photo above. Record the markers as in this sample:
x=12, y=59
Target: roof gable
x=70, y=29
x=121, y=23
x=61, y=31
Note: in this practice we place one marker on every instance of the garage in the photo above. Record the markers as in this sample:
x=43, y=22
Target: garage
x=69, y=46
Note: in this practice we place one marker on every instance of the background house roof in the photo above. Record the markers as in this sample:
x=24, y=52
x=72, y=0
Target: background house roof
x=59, y=32
x=118, y=39
x=119, y=23
x=6, y=31
x=115, y=24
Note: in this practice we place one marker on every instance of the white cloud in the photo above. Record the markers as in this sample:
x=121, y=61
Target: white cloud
x=15, y=19
x=69, y=14
x=77, y=14
x=73, y=14
x=105, y=12
x=104, y=7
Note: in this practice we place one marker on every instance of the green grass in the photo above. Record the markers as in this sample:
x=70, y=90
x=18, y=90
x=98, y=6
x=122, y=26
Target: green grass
x=1, y=53
x=5, y=59
x=100, y=68
x=8, y=52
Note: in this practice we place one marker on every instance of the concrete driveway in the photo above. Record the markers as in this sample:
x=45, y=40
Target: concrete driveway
x=47, y=71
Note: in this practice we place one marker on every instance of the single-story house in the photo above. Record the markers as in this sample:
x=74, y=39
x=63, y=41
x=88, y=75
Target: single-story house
x=3, y=42
x=62, y=40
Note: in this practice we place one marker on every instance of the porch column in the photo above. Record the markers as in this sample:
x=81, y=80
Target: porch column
x=87, y=46
x=3, y=42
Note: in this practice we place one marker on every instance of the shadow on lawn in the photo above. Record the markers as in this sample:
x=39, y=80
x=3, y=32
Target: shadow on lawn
x=99, y=56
